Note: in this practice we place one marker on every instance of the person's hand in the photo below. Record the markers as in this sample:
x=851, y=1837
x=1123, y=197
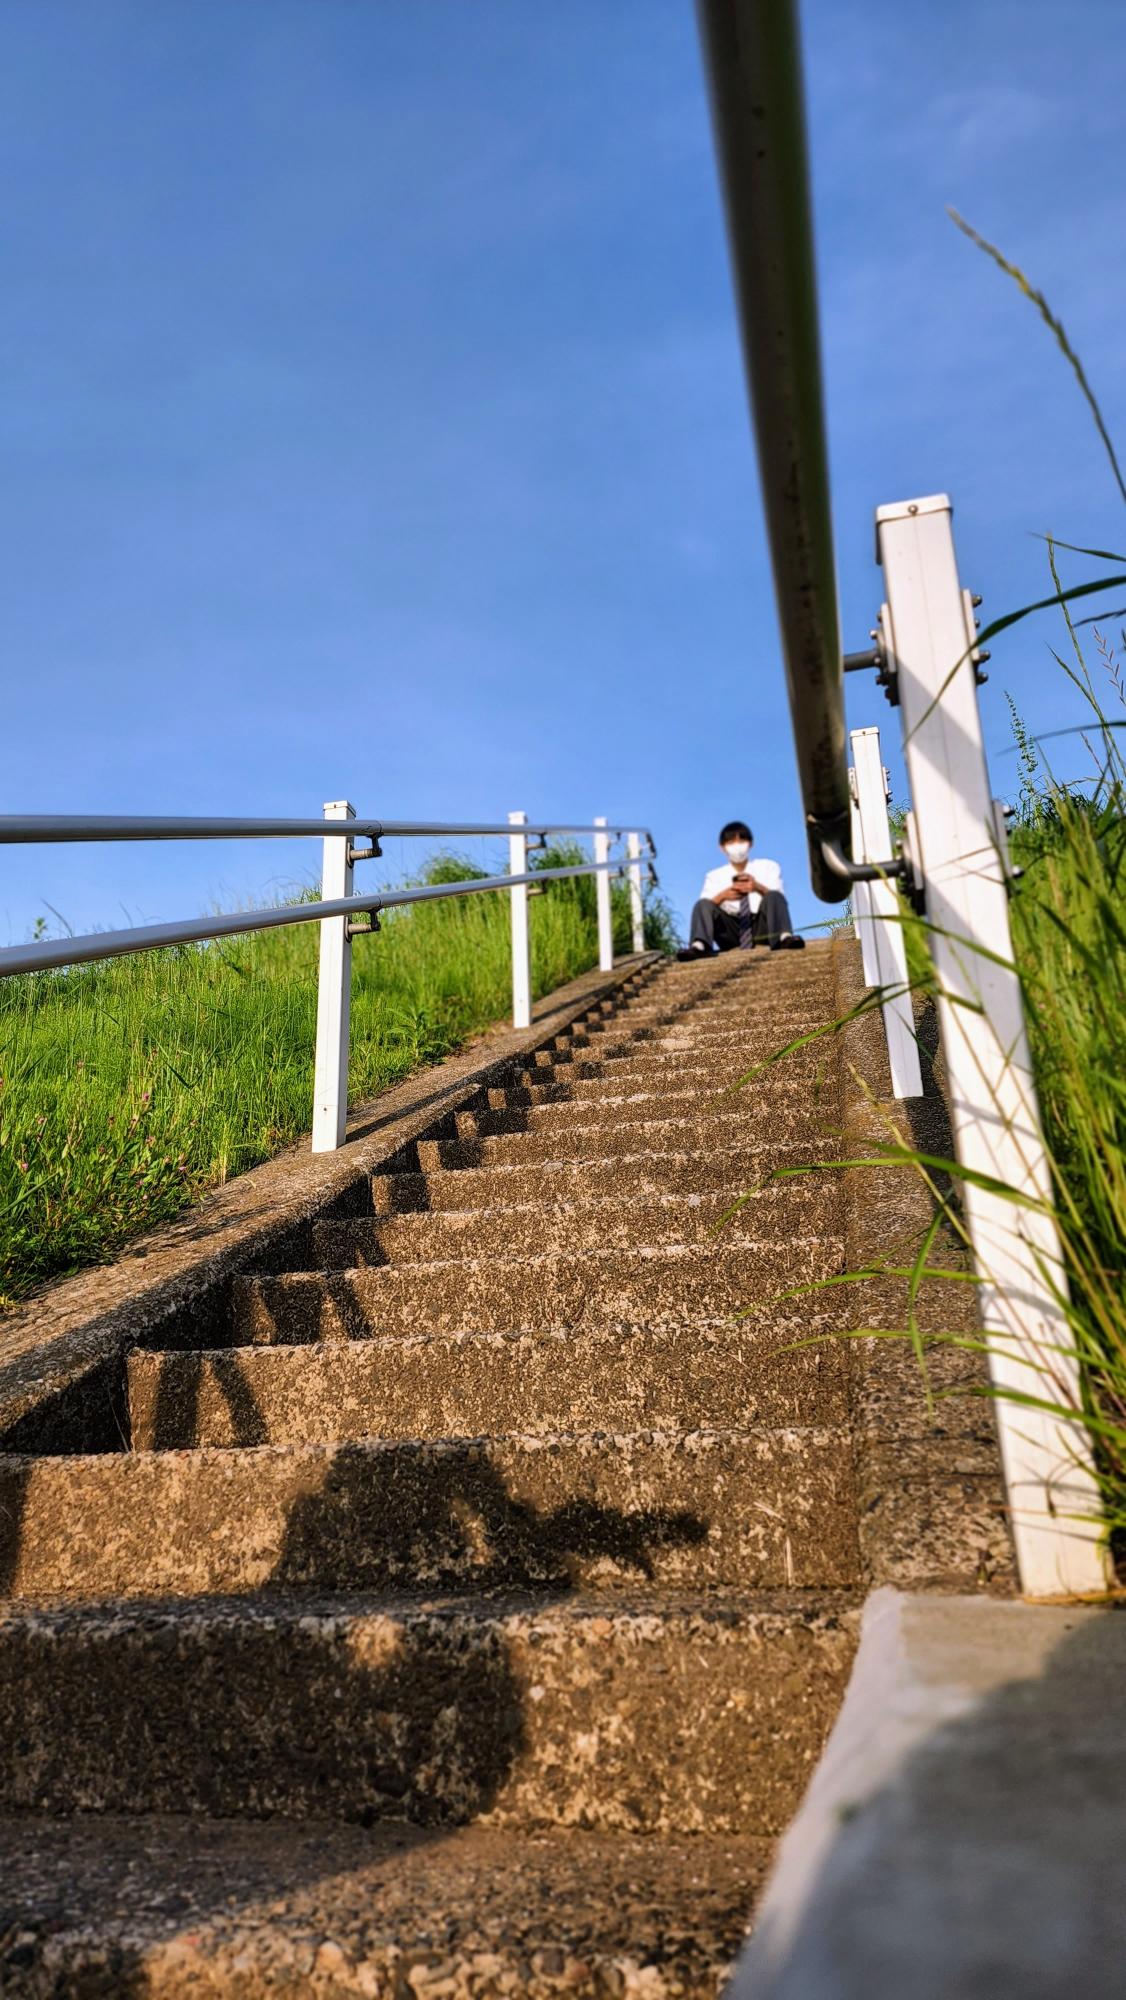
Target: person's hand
x=731, y=894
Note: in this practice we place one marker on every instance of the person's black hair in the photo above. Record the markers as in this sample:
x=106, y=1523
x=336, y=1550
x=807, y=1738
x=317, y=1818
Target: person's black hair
x=736, y=829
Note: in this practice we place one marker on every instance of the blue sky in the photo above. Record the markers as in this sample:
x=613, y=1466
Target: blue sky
x=373, y=423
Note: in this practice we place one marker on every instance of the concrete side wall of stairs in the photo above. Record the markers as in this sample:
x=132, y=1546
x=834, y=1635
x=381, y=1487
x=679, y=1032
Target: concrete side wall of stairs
x=438, y=1569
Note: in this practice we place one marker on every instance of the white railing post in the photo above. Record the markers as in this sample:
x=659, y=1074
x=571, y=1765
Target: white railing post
x=602, y=893
x=334, y=993
x=636, y=900
x=994, y=1113
x=882, y=918
x=521, y=955
x=860, y=899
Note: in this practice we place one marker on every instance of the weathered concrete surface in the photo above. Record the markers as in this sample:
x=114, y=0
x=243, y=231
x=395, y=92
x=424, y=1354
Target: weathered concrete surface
x=797, y=1120
x=804, y=1207
x=552, y=1424
x=716, y=1375
x=61, y=1354
x=569, y=1085
x=183, y=1909
x=726, y=1169
x=700, y=1717
x=659, y=1287
x=620, y=1106
x=691, y=1510
x=963, y=1835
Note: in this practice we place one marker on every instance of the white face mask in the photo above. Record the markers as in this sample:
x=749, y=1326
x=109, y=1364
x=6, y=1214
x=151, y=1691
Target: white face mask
x=737, y=852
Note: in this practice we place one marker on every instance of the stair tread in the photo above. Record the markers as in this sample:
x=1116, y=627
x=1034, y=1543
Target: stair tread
x=320, y=1908
x=644, y=1612
x=643, y=1253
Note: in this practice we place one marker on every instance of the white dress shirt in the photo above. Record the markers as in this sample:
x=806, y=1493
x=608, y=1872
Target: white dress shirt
x=766, y=872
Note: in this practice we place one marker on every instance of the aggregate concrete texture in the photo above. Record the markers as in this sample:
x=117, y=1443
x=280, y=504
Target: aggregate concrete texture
x=482, y=1473
x=170, y=1908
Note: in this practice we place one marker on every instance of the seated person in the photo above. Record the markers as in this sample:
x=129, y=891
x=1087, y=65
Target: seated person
x=741, y=904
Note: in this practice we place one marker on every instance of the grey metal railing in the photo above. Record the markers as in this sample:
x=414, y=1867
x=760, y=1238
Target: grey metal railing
x=337, y=910
x=953, y=852
x=753, y=60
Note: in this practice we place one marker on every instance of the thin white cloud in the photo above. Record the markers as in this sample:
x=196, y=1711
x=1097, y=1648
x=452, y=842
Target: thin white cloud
x=983, y=121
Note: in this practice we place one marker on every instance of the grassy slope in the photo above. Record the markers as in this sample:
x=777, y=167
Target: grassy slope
x=129, y=1087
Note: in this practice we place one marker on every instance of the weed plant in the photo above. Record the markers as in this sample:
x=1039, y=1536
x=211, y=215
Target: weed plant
x=129, y=1087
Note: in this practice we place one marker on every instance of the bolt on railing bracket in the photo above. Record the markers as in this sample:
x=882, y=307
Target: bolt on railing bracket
x=372, y=853
x=875, y=659
x=369, y=929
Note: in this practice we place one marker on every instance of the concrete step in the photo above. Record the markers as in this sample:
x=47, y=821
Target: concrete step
x=669, y=1072
x=683, y=1510
x=727, y=1065
x=803, y=1207
x=712, y=1376
x=105, y=1908
x=743, y=1005
x=657, y=1287
x=617, y=1107
x=763, y=1031
x=732, y=1057
x=646, y=1715
x=797, y=1209
x=714, y=1168
x=602, y=1056
x=653, y=1074
x=791, y=1121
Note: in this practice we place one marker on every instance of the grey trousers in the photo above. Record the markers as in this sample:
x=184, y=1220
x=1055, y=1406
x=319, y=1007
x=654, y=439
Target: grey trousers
x=717, y=925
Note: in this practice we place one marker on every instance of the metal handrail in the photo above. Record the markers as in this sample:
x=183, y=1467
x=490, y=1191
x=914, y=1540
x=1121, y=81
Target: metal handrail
x=30, y=828
x=58, y=952
x=753, y=59
x=338, y=831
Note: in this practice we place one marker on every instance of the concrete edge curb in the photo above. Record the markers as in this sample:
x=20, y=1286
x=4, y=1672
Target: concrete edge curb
x=952, y=1840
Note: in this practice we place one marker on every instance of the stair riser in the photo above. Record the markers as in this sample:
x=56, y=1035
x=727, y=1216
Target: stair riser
x=658, y=1289
x=794, y=1123
x=643, y=1721
x=723, y=1052
x=801, y=1208
x=727, y=1061
x=711, y=1172
x=477, y=1385
x=742, y=1008
x=652, y=1081
x=666, y=1076
x=693, y=1512
x=642, y=1108
x=755, y=1034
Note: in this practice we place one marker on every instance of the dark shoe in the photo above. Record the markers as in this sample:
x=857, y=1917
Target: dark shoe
x=689, y=953
x=791, y=942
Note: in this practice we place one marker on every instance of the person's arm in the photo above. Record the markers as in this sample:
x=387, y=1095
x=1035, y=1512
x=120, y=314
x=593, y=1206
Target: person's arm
x=750, y=884
x=767, y=878
x=715, y=889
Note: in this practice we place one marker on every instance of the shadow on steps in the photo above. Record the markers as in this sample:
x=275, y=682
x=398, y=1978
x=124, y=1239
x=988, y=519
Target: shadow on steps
x=413, y=1719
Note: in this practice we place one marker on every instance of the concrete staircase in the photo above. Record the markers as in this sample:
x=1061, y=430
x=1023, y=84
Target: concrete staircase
x=471, y=1621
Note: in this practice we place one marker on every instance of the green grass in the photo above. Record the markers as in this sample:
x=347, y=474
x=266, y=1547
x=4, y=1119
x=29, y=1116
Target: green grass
x=127, y=1088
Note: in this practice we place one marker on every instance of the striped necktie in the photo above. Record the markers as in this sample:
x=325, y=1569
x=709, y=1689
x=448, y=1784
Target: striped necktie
x=746, y=924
